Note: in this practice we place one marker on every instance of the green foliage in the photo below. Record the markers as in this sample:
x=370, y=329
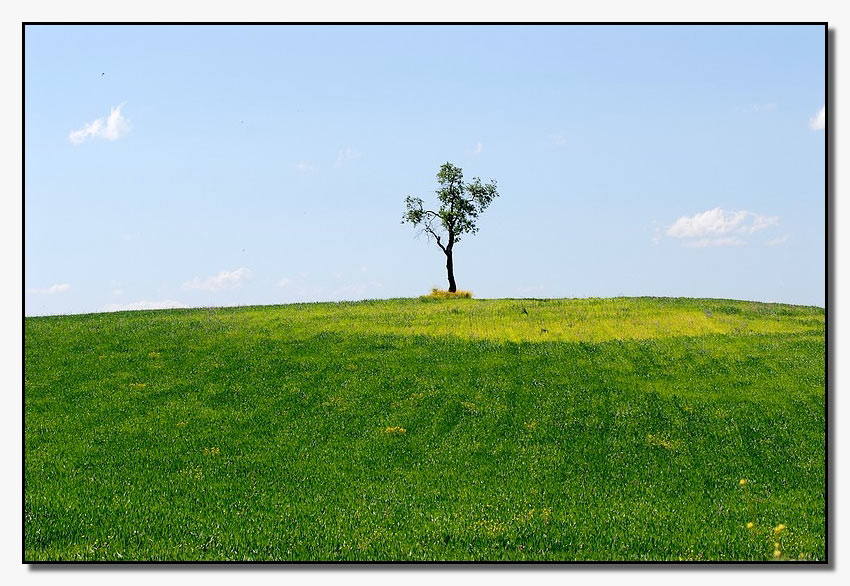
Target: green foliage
x=402, y=430
x=460, y=206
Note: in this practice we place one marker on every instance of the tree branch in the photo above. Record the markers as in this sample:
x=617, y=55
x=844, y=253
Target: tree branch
x=427, y=228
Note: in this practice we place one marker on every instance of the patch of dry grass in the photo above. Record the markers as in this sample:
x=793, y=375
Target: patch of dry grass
x=443, y=294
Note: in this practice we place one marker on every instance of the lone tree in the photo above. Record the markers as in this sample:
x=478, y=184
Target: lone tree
x=460, y=205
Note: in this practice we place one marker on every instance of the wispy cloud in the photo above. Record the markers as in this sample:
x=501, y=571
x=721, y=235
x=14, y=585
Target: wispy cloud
x=718, y=227
x=819, y=120
x=50, y=290
x=477, y=149
x=346, y=154
x=223, y=280
x=284, y=282
x=115, y=126
x=760, y=223
x=137, y=305
x=303, y=167
x=559, y=139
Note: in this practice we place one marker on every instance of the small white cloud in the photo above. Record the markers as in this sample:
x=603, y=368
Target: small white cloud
x=223, y=280
x=364, y=269
x=346, y=154
x=303, y=167
x=164, y=304
x=717, y=222
x=719, y=227
x=117, y=292
x=777, y=241
x=284, y=282
x=477, y=149
x=50, y=290
x=114, y=128
x=819, y=121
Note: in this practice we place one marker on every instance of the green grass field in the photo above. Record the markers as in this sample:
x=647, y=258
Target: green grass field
x=412, y=429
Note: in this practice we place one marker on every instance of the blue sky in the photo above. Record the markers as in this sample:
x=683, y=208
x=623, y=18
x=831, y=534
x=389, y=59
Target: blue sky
x=197, y=166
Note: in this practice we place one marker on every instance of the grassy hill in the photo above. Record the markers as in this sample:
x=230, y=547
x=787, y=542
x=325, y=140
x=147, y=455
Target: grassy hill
x=595, y=429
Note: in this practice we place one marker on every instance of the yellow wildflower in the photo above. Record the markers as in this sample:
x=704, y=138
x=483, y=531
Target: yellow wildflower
x=392, y=429
x=742, y=482
x=776, y=553
x=779, y=528
x=750, y=525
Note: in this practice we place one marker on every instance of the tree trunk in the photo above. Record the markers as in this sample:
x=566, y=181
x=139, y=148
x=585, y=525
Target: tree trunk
x=450, y=268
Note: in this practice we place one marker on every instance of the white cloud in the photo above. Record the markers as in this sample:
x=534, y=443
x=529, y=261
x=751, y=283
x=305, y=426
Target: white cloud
x=303, y=167
x=50, y=290
x=116, y=125
x=223, y=280
x=719, y=227
x=88, y=131
x=777, y=241
x=114, y=128
x=346, y=154
x=717, y=222
x=819, y=121
x=559, y=139
x=477, y=149
x=284, y=282
x=163, y=304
